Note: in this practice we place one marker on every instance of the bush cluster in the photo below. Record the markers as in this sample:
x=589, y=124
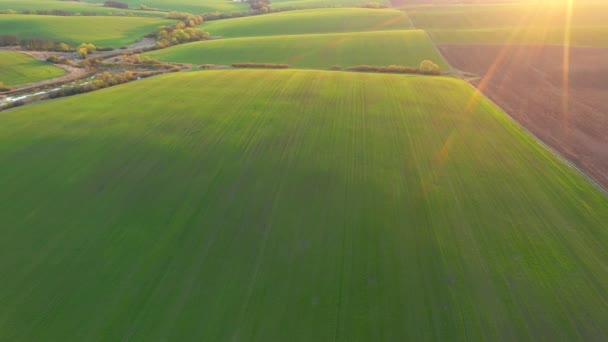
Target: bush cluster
x=3, y=87
x=168, y=36
x=104, y=80
x=85, y=49
x=8, y=40
x=374, y=5
x=39, y=44
x=426, y=67
x=260, y=65
x=259, y=6
x=188, y=20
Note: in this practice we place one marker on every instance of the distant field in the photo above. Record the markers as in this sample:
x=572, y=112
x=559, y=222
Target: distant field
x=547, y=14
x=514, y=23
x=379, y=48
x=71, y=6
x=322, y=3
x=191, y=6
x=310, y=21
x=102, y=31
x=18, y=68
x=579, y=36
x=292, y=206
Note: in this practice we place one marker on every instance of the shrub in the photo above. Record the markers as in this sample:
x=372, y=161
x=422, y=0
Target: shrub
x=3, y=87
x=84, y=49
x=8, y=40
x=429, y=68
x=374, y=5
x=116, y=4
x=53, y=59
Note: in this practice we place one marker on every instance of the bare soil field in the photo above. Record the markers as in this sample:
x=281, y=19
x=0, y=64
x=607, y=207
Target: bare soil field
x=529, y=82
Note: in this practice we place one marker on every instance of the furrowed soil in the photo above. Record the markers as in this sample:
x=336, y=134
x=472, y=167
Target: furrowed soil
x=529, y=83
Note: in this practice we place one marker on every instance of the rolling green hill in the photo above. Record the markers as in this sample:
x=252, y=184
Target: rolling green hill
x=292, y=205
x=18, y=68
x=333, y=20
x=378, y=48
x=74, y=7
x=101, y=31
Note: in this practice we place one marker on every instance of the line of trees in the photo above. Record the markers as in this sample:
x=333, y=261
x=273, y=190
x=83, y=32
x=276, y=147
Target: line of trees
x=40, y=44
x=426, y=67
x=116, y=4
x=182, y=32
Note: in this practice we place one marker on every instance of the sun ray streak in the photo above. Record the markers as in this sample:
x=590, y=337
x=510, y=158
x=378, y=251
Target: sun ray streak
x=566, y=65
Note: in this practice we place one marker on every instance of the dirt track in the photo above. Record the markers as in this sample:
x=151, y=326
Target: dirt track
x=527, y=82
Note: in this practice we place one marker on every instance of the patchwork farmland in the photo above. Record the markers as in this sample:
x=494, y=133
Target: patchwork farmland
x=146, y=199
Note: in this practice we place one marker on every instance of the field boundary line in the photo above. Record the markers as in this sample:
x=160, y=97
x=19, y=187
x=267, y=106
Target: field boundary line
x=556, y=153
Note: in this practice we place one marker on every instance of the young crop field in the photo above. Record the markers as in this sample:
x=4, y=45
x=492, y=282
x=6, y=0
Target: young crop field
x=18, y=68
x=292, y=205
x=378, y=48
x=191, y=6
x=331, y=20
x=74, y=7
x=101, y=31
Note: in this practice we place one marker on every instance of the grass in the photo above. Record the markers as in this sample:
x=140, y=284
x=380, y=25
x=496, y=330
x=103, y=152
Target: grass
x=521, y=23
x=70, y=6
x=17, y=68
x=379, y=48
x=334, y=20
x=292, y=205
x=101, y=31
x=191, y=6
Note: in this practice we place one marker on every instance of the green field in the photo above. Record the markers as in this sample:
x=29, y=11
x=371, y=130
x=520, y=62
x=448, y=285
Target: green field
x=522, y=23
x=292, y=205
x=18, y=68
x=101, y=31
x=332, y=20
x=70, y=6
x=191, y=6
x=378, y=48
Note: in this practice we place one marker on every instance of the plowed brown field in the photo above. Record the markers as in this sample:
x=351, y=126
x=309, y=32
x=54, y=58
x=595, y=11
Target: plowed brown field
x=529, y=83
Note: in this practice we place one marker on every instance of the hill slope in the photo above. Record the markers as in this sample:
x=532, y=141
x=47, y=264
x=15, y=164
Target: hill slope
x=18, y=68
x=329, y=20
x=317, y=50
x=292, y=205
